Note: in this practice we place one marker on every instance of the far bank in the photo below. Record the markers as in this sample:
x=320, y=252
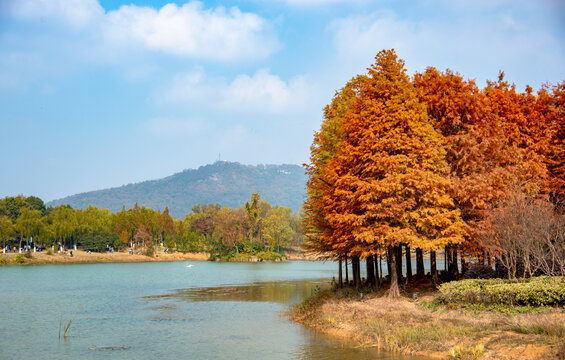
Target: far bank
x=83, y=257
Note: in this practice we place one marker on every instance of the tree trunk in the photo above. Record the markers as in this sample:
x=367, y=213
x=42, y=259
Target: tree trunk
x=357, y=272
x=340, y=276
x=353, y=270
x=377, y=274
x=433, y=268
x=420, y=272
x=346, y=273
x=389, y=260
x=398, y=259
x=370, y=271
x=463, y=262
x=447, y=259
x=393, y=292
x=380, y=269
x=408, y=264
x=454, y=263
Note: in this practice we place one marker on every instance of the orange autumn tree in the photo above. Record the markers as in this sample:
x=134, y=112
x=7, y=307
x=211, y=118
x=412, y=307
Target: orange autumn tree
x=489, y=150
x=551, y=103
x=388, y=177
x=525, y=130
x=420, y=163
x=326, y=143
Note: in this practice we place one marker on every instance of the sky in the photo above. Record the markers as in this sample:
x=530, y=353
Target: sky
x=102, y=93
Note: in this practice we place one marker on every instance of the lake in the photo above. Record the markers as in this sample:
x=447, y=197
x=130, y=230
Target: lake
x=166, y=310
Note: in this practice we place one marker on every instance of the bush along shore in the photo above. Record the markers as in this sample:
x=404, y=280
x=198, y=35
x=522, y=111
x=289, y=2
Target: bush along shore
x=467, y=319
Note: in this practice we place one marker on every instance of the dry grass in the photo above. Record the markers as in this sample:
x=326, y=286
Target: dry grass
x=407, y=327
x=81, y=257
x=552, y=324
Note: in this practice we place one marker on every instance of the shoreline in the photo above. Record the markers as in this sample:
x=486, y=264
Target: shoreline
x=81, y=257
x=415, y=327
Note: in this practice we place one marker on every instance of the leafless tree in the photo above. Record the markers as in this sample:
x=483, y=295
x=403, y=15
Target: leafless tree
x=526, y=231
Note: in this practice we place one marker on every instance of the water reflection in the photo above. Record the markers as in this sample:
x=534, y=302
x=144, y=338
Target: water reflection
x=250, y=325
x=167, y=312
x=319, y=346
x=283, y=292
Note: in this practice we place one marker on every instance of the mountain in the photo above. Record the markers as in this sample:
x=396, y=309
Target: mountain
x=226, y=183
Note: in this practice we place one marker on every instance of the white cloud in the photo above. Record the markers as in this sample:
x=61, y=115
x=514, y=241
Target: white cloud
x=190, y=30
x=363, y=36
x=476, y=45
x=193, y=86
x=262, y=92
x=266, y=92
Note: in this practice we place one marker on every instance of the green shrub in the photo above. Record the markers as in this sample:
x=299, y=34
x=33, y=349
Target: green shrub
x=192, y=241
x=98, y=240
x=170, y=243
x=241, y=257
x=536, y=291
x=253, y=247
x=270, y=256
x=118, y=243
x=3, y=261
x=19, y=259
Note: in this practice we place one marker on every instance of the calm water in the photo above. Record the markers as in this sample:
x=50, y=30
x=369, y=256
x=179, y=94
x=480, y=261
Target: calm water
x=176, y=310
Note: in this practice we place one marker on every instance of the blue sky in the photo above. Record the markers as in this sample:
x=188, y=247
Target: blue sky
x=101, y=93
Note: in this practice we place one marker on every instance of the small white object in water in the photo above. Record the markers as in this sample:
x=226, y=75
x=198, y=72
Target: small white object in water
x=189, y=266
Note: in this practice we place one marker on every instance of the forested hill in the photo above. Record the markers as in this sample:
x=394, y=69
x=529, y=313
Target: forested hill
x=226, y=183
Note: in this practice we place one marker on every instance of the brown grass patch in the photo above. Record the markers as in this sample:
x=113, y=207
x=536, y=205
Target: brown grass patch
x=405, y=326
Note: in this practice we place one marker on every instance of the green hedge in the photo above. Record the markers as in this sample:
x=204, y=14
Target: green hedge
x=537, y=291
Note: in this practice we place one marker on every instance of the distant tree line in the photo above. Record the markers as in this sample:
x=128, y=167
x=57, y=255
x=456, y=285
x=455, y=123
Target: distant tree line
x=257, y=227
